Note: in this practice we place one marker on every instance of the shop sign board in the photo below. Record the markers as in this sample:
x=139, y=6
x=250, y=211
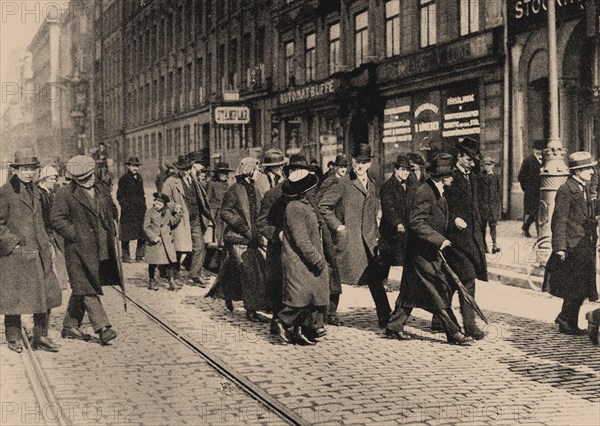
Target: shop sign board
x=232, y=115
x=397, y=121
x=461, y=112
x=528, y=15
x=427, y=120
x=307, y=92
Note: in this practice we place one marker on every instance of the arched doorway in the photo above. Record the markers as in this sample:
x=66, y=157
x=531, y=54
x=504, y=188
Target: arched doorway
x=358, y=131
x=537, y=110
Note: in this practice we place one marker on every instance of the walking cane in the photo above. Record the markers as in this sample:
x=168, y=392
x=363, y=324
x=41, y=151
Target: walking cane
x=120, y=267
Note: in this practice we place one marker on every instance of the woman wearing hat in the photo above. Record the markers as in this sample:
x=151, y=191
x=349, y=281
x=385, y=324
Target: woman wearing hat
x=570, y=272
x=28, y=284
x=215, y=191
x=242, y=274
x=305, y=270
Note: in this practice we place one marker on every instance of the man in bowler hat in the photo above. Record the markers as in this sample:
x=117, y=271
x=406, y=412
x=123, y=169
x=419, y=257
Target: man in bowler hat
x=131, y=198
x=350, y=208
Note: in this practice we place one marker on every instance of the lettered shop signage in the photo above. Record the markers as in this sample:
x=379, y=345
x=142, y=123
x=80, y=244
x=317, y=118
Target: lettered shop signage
x=461, y=112
x=527, y=15
x=307, y=93
x=232, y=115
x=397, y=121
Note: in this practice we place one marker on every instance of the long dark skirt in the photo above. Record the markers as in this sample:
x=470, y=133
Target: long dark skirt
x=242, y=277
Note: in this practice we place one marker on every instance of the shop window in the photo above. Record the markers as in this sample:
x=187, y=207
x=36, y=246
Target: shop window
x=469, y=16
x=361, y=38
x=334, y=48
x=246, y=67
x=233, y=62
x=198, y=16
x=153, y=146
x=310, y=66
x=392, y=28
x=209, y=79
x=199, y=98
x=427, y=12
x=146, y=146
x=289, y=63
x=169, y=138
x=221, y=67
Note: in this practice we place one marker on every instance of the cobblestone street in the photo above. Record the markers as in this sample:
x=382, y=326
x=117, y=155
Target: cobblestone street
x=524, y=372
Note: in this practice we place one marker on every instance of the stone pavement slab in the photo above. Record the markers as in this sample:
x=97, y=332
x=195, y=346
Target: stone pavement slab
x=524, y=372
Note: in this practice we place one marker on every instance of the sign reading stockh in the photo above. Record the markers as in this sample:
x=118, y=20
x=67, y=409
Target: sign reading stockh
x=232, y=115
x=526, y=15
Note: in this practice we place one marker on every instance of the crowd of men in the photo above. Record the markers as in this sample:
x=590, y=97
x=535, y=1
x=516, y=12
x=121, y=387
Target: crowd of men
x=284, y=237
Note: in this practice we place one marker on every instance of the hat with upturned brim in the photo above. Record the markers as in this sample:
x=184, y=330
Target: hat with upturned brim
x=469, y=146
x=402, y=161
x=442, y=165
x=274, y=157
x=223, y=167
x=80, y=167
x=297, y=162
x=581, y=160
x=182, y=163
x=341, y=160
x=21, y=161
x=133, y=161
x=363, y=152
x=161, y=197
x=298, y=182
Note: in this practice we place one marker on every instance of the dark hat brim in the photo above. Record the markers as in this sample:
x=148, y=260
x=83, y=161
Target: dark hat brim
x=133, y=163
x=308, y=167
x=293, y=189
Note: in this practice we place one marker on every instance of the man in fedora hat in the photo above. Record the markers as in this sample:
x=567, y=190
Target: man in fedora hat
x=184, y=189
x=273, y=162
x=530, y=180
x=350, y=208
x=84, y=214
x=27, y=284
x=424, y=284
x=467, y=254
x=571, y=270
x=131, y=198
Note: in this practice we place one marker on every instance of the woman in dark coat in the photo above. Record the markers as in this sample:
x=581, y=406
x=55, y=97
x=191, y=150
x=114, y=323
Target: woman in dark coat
x=489, y=190
x=27, y=282
x=571, y=272
x=242, y=273
x=305, y=269
x=131, y=198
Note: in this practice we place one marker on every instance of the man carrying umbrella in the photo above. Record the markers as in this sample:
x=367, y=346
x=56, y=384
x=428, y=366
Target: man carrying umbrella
x=424, y=284
x=84, y=215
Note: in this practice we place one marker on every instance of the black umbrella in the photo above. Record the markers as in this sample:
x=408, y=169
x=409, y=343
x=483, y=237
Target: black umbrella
x=462, y=289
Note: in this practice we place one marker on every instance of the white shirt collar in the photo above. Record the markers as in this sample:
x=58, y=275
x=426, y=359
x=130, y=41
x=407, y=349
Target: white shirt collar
x=440, y=187
x=463, y=170
x=580, y=181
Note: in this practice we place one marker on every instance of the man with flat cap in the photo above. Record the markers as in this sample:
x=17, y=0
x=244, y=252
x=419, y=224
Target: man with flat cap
x=131, y=198
x=84, y=214
x=467, y=254
x=571, y=270
x=27, y=281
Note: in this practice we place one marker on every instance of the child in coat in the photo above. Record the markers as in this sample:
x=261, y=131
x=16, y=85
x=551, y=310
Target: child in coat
x=159, y=222
x=489, y=190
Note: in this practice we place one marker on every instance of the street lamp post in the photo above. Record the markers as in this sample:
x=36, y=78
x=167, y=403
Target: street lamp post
x=554, y=169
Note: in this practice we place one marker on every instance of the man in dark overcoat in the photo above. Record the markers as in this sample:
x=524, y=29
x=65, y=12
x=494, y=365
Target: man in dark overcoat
x=424, y=284
x=571, y=270
x=27, y=281
x=131, y=198
x=530, y=180
x=84, y=215
x=340, y=168
x=392, y=228
x=350, y=208
x=467, y=254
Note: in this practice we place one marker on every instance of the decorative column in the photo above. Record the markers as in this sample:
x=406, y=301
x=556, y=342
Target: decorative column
x=554, y=170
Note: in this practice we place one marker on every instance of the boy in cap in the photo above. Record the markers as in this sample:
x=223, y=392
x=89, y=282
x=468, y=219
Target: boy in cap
x=489, y=190
x=159, y=222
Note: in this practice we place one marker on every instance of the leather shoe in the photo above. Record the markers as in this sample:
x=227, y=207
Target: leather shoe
x=299, y=338
x=279, y=329
x=106, y=335
x=459, y=339
x=314, y=334
x=592, y=329
x=15, y=345
x=568, y=329
x=383, y=321
x=74, y=333
x=229, y=305
x=200, y=282
x=334, y=320
x=45, y=344
x=475, y=332
x=252, y=316
x=526, y=233
x=400, y=335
